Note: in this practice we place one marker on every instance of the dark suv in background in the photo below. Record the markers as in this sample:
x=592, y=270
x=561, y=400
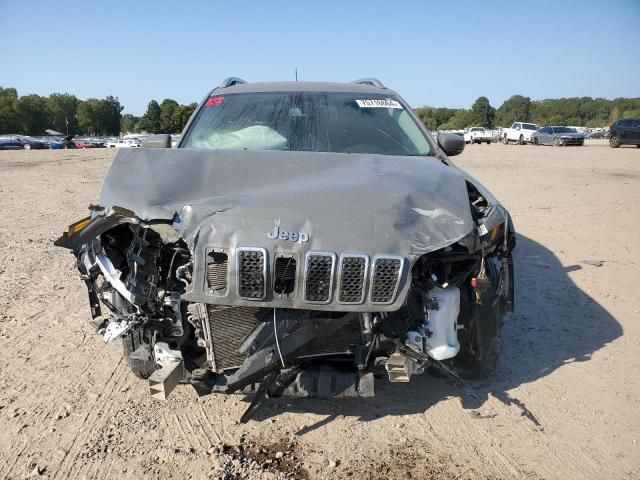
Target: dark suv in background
x=625, y=131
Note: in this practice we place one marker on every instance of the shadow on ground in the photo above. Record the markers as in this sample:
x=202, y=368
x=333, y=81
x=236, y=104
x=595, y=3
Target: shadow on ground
x=555, y=323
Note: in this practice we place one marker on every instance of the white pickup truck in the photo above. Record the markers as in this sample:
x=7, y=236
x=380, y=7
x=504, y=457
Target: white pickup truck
x=478, y=135
x=520, y=132
x=123, y=143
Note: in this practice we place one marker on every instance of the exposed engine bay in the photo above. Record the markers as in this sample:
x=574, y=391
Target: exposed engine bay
x=198, y=298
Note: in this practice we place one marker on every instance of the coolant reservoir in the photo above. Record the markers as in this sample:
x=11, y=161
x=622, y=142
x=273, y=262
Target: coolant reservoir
x=442, y=323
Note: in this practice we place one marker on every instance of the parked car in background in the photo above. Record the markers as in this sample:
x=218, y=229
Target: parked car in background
x=558, y=136
x=625, y=131
x=21, y=142
x=478, y=135
x=124, y=143
x=520, y=132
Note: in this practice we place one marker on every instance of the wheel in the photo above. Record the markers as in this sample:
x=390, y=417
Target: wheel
x=637, y=146
x=65, y=147
x=488, y=142
x=557, y=142
x=535, y=141
x=481, y=339
x=27, y=146
x=614, y=141
x=521, y=140
x=141, y=367
x=505, y=139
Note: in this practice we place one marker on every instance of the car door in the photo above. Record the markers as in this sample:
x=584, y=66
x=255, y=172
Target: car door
x=634, y=131
x=626, y=130
x=543, y=136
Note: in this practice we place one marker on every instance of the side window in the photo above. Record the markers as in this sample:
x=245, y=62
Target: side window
x=626, y=123
x=517, y=126
x=635, y=123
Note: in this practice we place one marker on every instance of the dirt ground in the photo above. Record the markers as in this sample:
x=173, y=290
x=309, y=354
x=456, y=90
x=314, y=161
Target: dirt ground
x=565, y=403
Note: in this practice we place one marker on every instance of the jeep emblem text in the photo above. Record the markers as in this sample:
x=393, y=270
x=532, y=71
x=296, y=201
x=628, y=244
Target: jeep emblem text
x=299, y=237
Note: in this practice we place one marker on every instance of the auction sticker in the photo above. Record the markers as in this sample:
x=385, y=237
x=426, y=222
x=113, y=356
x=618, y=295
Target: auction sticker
x=378, y=103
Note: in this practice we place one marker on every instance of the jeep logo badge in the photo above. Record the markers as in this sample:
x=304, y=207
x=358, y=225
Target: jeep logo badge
x=277, y=233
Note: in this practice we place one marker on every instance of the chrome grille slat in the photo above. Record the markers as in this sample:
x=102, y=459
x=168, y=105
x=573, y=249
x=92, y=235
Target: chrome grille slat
x=318, y=280
x=352, y=277
x=251, y=269
x=385, y=278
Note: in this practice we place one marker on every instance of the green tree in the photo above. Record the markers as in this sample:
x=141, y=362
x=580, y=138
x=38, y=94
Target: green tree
x=128, y=123
x=461, y=120
x=100, y=116
x=33, y=113
x=110, y=115
x=9, y=120
x=63, y=108
x=89, y=116
x=150, y=121
x=483, y=113
x=181, y=116
x=167, y=107
x=515, y=109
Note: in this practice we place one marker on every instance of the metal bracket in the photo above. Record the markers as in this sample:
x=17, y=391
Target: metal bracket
x=163, y=381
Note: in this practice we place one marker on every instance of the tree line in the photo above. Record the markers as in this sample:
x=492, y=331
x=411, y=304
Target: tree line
x=166, y=117
x=579, y=111
x=63, y=112
x=33, y=114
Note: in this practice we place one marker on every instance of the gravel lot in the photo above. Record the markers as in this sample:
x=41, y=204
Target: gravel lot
x=565, y=404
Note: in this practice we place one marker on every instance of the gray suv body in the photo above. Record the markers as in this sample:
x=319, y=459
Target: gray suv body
x=301, y=238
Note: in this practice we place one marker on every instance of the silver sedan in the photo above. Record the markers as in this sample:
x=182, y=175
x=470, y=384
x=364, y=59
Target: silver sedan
x=557, y=136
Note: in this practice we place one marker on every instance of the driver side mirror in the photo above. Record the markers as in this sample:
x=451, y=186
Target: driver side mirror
x=451, y=143
x=157, y=141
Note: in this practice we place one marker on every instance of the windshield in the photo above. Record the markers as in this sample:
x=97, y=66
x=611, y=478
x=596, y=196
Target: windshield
x=529, y=126
x=307, y=121
x=563, y=130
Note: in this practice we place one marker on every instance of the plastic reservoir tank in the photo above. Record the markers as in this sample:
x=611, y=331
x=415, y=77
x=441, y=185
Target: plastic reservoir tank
x=442, y=323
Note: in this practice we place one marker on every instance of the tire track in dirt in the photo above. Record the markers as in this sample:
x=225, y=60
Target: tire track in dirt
x=99, y=411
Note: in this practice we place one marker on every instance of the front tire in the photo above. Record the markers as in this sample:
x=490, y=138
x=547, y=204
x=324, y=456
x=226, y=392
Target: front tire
x=505, y=139
x=27, y=146
x=521, y=140
x=614, y=141
x=481, y=344
x=557, y=142
x=535, y=141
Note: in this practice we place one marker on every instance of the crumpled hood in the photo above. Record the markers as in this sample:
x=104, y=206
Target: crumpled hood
x=343, y=202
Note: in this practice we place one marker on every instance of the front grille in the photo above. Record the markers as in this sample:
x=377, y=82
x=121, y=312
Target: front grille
x=217, y=268
x=385, y=278
x=319, y=277
x=251, y=271
x=352, y=276
x=229, y=327
x=284, y=275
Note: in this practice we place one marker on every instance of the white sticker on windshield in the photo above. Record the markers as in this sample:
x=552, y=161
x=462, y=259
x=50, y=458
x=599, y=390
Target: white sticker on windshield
x=378, y=103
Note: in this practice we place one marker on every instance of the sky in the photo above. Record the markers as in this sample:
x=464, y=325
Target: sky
x=443, y=54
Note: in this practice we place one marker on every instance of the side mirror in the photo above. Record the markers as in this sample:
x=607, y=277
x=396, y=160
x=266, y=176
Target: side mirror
x=451, y=143
x=157, y=141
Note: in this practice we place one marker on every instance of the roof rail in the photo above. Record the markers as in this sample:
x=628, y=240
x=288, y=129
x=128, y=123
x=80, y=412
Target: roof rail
x=374, y=82
x=231, y=81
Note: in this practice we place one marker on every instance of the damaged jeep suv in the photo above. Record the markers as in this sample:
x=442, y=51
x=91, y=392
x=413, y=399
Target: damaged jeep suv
x=302, y=239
